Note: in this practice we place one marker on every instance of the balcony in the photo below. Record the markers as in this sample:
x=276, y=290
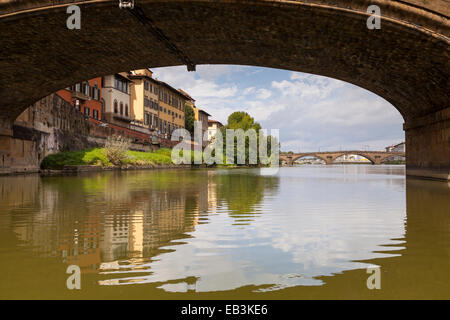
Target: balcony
x=122, y=117
x=80, y=96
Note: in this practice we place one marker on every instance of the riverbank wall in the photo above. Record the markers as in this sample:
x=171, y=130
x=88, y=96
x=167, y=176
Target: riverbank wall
x=53, y=125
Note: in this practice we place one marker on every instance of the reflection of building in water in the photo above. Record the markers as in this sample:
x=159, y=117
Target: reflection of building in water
x=115, y=236
x=145, y=229
x=202, y=206
x=46, y=227
x=36, y=228
x=165, y=220
x=90, y=220
x=80, y=246
x=212, y=191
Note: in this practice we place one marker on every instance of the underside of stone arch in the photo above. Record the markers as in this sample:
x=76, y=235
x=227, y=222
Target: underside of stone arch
x=406, y=61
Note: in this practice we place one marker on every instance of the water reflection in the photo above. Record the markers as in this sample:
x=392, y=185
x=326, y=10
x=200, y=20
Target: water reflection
x=306, y=233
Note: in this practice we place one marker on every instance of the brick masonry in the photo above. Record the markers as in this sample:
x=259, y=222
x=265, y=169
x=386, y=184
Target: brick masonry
x=52, y=125
x=407, y=62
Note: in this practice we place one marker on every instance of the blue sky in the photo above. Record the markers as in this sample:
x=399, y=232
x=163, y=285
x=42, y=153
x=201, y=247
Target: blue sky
x=311, y=112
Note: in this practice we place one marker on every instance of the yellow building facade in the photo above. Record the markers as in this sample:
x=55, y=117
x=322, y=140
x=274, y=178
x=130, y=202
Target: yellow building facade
x=171, y=108
x=144, y=92
x=199, y=115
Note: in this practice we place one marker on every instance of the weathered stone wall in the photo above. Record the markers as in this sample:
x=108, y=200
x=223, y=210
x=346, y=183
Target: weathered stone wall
x=48, y=126
x=52, y=125
x=428, y=146
x=406, y=62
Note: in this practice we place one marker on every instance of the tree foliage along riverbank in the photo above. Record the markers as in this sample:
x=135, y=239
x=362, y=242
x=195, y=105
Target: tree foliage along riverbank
x=242, y=120
x=189, y=118
x=116, y=152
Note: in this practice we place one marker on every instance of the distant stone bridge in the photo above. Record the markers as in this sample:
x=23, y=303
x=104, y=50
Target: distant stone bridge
x=406, y=62
x=376, y=157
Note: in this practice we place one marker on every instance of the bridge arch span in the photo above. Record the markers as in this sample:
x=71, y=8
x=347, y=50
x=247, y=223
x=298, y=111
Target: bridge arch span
x=309, y=155
x=369, y=157
x=323, y=37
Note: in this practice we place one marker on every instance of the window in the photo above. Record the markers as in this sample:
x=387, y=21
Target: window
x=116, y=109
x=121, y=108
x=87, y=112
x=96, y=92
x=121, y=85
x=126, y=110
x=87, y=89
x=148, y=119
x=95, y=114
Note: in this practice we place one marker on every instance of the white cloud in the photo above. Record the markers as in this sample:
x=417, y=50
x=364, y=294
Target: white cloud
x=263, y=94
x=311, y=111
x=249, y=90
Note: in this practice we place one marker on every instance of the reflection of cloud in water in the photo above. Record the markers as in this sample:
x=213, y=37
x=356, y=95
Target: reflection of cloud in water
x=196, y=230
x=309, y=229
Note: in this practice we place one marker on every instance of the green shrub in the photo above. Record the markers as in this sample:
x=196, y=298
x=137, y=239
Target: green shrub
x=98, y=157
x=75, y=158
x=116, y=148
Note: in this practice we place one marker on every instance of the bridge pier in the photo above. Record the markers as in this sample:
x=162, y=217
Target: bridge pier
x=428, y=146
x=6, y=127
x=6, y=143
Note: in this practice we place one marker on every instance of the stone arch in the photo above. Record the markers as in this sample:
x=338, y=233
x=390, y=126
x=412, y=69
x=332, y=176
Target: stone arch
x=323, y=37
x=291, y=39
x=320, y=157
x=369, y=157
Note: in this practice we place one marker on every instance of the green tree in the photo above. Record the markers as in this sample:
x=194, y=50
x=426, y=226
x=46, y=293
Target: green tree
x=189, y=118
x=242, y=120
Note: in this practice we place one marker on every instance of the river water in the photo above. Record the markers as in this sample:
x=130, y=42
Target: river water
x=309, y=232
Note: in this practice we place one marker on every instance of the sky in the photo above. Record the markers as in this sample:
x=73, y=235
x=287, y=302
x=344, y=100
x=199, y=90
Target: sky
x=311, y=112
